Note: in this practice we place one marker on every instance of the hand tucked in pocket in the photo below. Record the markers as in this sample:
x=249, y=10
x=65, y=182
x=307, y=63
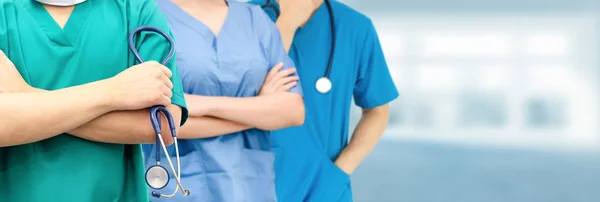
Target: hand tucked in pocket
x=11, y=80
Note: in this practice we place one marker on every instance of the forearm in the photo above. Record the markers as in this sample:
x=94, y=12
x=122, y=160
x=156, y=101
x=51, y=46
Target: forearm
x=366, y=135
x=206, y=126
x=127, y=127
x=34, y=116
x=267, y=112
x=287, y=31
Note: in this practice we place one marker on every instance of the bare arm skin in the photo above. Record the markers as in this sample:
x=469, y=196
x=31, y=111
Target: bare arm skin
x=200, y=125
x=127, y=127
x=366, y=135
x=268, y=112
x=206, y=126
x=31, y=117
x=101, y=111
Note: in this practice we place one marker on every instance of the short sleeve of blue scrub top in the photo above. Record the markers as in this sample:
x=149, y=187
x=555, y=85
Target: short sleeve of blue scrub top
x=237, y=166
x=374, y=85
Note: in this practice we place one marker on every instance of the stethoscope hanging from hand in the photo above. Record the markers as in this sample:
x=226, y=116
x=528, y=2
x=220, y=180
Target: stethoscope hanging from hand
x=323, y=84
x=157, y=176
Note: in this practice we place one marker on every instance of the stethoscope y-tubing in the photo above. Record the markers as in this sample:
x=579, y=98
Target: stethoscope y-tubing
x=151, y=29
x=333, y=38
x=155, y=114
x=155, y=111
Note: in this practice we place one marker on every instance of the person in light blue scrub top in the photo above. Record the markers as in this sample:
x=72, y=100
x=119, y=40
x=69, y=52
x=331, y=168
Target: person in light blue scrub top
x=314, y=161
x=228, y=55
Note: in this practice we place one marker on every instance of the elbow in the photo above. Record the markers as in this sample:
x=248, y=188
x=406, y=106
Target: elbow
x=167, y=138
x=150, y=136
x=166, y=135
x=296, y=113
x=298, y=116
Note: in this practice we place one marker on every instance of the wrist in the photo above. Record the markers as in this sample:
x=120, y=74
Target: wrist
x=104, y=94
x=345, y=167
x=199, y=105
x=210, y=106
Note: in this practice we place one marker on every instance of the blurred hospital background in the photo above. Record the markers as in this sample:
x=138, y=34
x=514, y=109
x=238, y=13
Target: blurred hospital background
x=499, y=102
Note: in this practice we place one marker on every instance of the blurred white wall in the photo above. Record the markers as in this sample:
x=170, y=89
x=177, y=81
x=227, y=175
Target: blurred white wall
x=500, y=102
x=509, y=78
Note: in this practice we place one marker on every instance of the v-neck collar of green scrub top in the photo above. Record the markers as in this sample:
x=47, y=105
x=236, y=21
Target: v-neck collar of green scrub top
x=197, y=25
x=68, y=35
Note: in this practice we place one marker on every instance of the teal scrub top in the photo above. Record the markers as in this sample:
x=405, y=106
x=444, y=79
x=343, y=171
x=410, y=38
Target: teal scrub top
x=91, y=47
x=304, y=155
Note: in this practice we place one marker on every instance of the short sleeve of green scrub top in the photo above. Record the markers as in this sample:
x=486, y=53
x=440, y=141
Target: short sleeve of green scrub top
x=92, y=46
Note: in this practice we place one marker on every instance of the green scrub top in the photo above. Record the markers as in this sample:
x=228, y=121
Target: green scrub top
x=91, y=47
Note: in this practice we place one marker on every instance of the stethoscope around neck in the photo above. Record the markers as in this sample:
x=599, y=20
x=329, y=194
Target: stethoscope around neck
x=157, y=176
x=323, y=84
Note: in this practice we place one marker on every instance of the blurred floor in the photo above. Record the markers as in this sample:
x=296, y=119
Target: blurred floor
x=412, y=171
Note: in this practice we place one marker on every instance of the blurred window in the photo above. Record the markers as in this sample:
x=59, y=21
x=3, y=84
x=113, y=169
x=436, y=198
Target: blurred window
x=460, y=73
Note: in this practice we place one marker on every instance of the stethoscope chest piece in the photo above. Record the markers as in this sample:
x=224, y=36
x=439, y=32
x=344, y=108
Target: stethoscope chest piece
x=323, y=85
x=157, y=177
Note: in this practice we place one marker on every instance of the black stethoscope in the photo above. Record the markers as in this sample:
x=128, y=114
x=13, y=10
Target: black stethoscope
x=157, y=176
x=323, y=84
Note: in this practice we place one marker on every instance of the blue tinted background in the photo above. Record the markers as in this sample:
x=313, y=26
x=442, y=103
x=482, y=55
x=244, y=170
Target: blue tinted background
x=499, y=102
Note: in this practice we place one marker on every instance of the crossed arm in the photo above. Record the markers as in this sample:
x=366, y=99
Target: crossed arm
x=215, y=116
x=35, y=115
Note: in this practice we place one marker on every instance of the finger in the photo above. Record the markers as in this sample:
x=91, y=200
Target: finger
x=167, y=92
x=285, y=73
x=286, y=80
x=274, y=71
x=166, y=71
x=167, y=81
x=287, y=86
x=165, y=101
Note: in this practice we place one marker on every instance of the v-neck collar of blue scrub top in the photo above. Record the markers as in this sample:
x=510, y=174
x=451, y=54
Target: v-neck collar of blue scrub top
x=68, y=35
x=195, y=24
x=319, y=20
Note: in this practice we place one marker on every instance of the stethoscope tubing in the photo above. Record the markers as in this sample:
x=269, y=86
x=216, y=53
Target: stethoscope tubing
x=155, y=111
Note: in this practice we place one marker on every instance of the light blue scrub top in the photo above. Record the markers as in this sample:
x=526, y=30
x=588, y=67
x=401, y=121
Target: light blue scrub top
x=238, y=166
x=304, y=155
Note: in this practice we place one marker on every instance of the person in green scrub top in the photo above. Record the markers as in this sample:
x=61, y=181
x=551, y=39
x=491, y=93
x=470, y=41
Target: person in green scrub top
x=314, y=162
x=74, y=104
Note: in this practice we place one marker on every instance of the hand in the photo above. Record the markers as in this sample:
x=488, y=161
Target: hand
x=140, y=86
x=10, y=79
x=297, y=12
x=278, y=81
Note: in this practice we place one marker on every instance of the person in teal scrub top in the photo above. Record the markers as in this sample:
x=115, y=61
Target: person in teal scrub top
x=74, y=105
x=314, y=162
